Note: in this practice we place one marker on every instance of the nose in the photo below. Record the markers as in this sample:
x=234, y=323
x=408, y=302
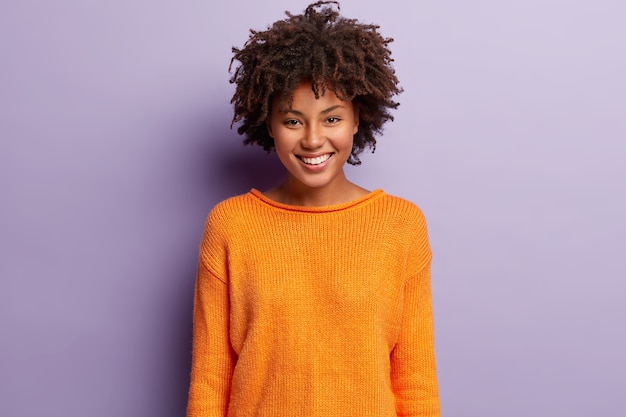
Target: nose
x=313, y=137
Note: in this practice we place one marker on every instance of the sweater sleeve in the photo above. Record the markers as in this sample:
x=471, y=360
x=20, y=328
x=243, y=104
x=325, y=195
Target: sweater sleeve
x=213, y=358
x=413, y=371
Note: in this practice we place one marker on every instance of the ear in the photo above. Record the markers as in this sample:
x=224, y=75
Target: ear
x=356, y=122
x=268, y=125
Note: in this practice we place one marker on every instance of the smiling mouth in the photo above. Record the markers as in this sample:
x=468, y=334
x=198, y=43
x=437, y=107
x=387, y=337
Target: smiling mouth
x=315, y=161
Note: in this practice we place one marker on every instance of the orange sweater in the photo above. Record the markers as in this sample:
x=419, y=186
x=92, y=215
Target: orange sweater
x=314, y=311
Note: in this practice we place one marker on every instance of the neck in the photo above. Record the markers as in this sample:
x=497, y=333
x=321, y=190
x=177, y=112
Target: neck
x=294, y=193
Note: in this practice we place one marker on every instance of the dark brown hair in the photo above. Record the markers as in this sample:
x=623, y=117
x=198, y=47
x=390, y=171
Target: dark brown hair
x=334, y=52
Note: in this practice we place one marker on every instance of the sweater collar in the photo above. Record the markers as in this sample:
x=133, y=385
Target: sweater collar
x=366, y=199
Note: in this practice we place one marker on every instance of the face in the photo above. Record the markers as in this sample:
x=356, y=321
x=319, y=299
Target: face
x=313, y=138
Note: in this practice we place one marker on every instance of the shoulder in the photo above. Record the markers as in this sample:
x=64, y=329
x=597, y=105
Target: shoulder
x=222, y=224
x=231, y=205
x=402, y=210
x=225, y=215
x=401, y=203
x=230, y=212
x=408, y=223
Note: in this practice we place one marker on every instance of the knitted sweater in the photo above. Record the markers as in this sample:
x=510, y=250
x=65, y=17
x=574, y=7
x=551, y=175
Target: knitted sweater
x=314, y=311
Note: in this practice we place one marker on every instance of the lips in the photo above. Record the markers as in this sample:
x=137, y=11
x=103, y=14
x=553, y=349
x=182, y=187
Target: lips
x=317, y=160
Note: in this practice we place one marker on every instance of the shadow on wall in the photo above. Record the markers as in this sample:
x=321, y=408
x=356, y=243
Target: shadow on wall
x=218, y=166
x=227, y=167
x=248, y=166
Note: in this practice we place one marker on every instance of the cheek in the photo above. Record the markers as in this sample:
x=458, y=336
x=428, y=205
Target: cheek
x=282, y=142
x=350, y=134
x=283, y=152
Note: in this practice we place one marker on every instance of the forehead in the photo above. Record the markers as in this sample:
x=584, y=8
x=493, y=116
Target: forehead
x=304, y=96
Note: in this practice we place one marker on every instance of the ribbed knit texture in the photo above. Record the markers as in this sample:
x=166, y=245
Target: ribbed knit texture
x=314, y=311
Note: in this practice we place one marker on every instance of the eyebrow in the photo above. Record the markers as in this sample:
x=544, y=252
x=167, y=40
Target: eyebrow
x=323, y=112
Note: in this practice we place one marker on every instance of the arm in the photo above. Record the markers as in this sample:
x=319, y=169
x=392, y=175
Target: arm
x=213, y=358
x=413, y=373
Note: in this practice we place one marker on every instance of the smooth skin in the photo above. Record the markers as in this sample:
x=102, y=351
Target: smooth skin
x=313, y=140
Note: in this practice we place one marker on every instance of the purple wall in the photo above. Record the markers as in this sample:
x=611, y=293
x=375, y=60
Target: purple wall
x=115, y=143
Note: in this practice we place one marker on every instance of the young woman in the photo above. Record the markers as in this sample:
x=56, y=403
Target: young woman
x=313, y=298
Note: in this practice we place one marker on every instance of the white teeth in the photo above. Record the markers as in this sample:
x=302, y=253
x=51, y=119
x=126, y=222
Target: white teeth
x=315, y=161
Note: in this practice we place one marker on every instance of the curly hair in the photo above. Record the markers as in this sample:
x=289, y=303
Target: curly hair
x=350, y=58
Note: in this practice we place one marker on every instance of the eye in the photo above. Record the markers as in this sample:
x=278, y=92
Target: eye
x=332, y=120
x=291, y=122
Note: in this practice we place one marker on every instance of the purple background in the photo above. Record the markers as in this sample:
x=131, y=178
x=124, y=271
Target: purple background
x=115, y=143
